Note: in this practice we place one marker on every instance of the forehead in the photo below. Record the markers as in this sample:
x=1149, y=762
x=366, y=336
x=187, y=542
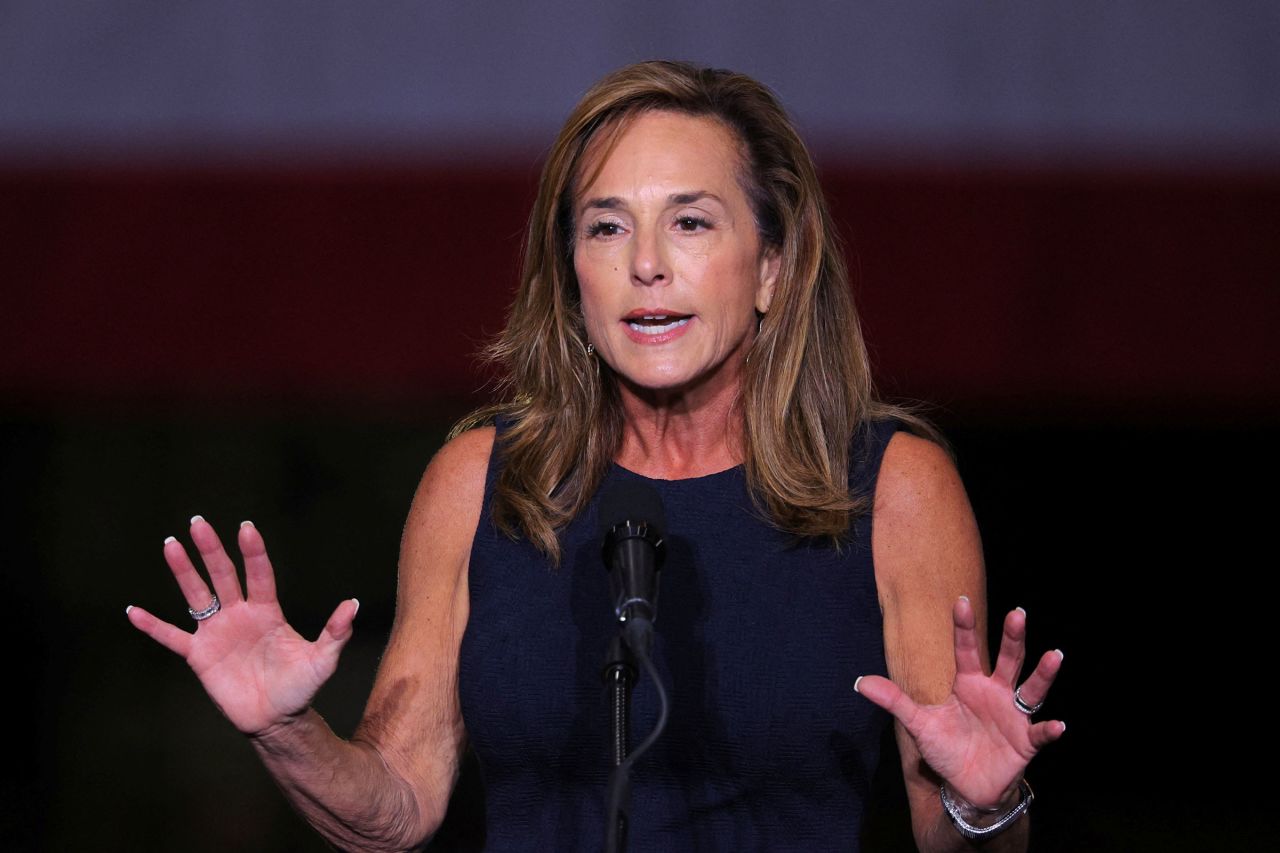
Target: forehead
x=660, y=147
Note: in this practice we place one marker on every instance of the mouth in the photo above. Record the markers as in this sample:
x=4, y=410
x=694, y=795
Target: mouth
x=655, y=323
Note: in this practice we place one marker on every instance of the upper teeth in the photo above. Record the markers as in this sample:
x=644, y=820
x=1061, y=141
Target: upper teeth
x=666, y=322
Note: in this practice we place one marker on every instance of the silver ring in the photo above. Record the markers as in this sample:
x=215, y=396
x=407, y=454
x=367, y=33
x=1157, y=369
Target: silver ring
x=1023, y=706
x=201, y=615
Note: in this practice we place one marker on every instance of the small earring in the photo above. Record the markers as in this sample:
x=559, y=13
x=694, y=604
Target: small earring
x=591, y=349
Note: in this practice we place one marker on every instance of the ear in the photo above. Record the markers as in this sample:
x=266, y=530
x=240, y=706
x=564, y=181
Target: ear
x=770, y=263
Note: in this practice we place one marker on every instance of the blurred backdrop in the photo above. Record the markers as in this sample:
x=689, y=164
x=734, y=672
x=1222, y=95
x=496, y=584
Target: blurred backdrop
x=248, y=251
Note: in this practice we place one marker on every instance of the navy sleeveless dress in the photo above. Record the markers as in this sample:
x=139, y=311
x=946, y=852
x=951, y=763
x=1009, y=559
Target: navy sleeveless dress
x=758, y=641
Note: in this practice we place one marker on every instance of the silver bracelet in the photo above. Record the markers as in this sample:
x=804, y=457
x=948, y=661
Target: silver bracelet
x=956, y=811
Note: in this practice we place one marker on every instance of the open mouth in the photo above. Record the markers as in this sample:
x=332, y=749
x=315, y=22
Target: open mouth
x=657, y=324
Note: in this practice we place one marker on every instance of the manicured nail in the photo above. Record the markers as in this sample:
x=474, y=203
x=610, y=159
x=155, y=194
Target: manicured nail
x=169, y=539
x=964, y=598
x=127, y=609
x=246, y=524
x=196, y=518
x=1023, y=610
x=1061, y=656
x=357, y=601
x=1064, y=728
x=856, y=682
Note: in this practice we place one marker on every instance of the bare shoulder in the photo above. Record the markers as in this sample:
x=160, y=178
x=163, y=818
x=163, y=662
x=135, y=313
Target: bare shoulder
x=446, y=507
x=922, y=523
x=459, y=465
x=915, y=475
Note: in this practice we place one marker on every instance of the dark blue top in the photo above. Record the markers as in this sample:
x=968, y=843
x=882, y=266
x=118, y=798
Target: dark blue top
x=758, y=640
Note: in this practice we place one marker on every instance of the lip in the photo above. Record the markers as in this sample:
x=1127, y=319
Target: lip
x=662, y=338
x=640, y=313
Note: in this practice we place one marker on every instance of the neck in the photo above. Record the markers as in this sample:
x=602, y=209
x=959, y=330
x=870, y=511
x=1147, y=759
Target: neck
x=675, y=435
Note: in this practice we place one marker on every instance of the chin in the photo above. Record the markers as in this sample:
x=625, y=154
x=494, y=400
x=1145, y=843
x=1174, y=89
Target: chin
x=668, y=378
x=655, y=379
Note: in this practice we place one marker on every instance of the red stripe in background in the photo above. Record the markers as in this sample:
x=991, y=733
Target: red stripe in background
x=1137, y=293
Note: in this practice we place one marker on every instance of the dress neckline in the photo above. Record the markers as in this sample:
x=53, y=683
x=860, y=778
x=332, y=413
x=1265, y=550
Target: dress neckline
x=701, y=478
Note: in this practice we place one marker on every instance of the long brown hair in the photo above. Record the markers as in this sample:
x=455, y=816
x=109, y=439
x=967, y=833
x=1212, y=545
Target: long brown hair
x=806, y=385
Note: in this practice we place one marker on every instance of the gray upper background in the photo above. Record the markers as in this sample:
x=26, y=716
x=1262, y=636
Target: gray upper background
x=1183, y=81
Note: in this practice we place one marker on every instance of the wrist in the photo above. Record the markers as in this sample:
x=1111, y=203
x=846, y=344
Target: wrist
x=976, y=822
x=1007, y=800
x=277, y=735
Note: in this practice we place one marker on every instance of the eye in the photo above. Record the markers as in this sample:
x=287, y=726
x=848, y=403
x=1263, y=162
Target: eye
x=691, y=223
x=604, y=229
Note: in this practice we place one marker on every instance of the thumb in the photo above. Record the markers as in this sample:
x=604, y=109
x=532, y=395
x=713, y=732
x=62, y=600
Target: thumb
x=889, y=696
x=338, y=630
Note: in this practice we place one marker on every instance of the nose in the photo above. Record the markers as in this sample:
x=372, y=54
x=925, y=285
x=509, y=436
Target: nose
x=649, y=265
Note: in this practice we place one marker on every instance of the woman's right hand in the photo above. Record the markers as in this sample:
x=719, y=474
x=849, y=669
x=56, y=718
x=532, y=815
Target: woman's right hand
x=258, y=670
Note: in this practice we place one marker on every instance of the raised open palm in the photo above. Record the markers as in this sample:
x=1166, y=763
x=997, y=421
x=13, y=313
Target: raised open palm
x=978, y=740
x=256, y=668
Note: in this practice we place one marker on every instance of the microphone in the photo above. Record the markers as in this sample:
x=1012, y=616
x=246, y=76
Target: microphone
x=632, y=519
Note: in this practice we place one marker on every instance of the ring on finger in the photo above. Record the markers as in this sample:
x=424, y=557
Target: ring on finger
x=201, y=615
x=1023, y=706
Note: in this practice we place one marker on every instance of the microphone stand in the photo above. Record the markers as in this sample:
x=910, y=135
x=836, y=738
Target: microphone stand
x=619, y=676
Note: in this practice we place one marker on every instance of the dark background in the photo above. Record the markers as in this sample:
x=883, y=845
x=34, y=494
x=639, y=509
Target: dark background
x=1097, y=349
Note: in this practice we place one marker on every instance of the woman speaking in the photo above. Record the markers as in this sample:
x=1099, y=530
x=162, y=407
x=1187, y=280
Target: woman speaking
x=684, y=322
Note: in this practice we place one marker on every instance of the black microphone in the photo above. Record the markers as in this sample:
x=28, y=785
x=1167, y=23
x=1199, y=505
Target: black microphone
x=632, y=519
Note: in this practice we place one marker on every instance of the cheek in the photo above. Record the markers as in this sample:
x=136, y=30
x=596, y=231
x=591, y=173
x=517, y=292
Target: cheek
x=582, y=272
x=735, y=286
x=590, y=302
x=597, y=281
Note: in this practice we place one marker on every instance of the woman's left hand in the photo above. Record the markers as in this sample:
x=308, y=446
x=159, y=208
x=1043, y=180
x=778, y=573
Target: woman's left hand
x=978, y=740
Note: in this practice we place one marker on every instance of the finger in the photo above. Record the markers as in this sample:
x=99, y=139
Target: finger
x=1043, y=734
x=193, y=587
x=259, y=577
x=172, y=638
x=889, y=696
x=1036, y=687
x=968, y=653
x=221, y=570
x=1013, y=647
x=337, y=631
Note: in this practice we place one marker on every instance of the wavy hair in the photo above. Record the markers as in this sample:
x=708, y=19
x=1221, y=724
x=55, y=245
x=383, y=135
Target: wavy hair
x=806, y=385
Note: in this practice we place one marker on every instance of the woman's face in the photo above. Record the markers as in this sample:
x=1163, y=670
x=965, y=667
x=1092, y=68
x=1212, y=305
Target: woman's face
x=667, y=254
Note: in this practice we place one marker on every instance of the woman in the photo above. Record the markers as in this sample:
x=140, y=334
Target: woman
x=684, y=320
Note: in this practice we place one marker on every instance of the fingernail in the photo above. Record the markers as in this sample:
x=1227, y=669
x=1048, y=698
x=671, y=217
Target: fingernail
x=964, y=598
x=856, y=682
x=127, y=609
x=357, y=601
x=1064, y=727
x=196, y=518
x=1021, y=610
x=169, y=539
x=246, y=523
x=1061, y=656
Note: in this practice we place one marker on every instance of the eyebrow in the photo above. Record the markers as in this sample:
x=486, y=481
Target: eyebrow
x=614, y=203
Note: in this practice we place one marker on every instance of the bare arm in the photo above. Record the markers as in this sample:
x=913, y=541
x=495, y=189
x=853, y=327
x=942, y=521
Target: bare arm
x=386, y=789
x=928, y=556
x=413, y=718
